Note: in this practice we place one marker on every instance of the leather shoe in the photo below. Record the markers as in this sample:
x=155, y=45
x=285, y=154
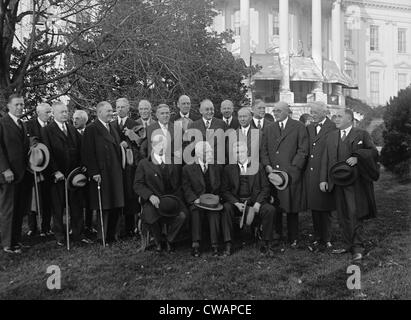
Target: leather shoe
x=215, y=252
x=294, y=244
x=357, y=257
x=195, y=252
x=227, y=250
x=170, y=247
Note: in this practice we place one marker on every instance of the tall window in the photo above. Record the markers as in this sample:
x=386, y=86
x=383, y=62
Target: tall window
x=276, y=24
x=402, y=81
x=375, y=87
x=402, y=34
x=347, y=37
x=374, y=38
x=236, y=24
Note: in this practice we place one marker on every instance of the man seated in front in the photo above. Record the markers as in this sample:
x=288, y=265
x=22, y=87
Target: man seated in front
x=242, y=187
x=158, y=183
x=199, y=178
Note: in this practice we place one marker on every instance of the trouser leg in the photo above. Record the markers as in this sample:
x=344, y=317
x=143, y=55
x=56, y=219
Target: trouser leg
x=214, y=223
x=292, y=226
x=174, y=226
x=267, y=213
x=58, y=203
x=227, y=217
x=196, y=224
x=6, y=213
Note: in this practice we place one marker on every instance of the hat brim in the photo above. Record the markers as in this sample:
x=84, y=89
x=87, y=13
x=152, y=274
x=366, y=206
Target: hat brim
x=70, y=177
x=343, y=182
x=46, y=152
x=123, y=157
x=172, y=214
x=201, y=206
x=285, y=184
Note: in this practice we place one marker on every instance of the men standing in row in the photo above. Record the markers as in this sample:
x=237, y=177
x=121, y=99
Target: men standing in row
x=320, y=203
x=64, y=144
x=227, y=110
x=348, y=169
x=242, y=187
x=34, y=125
x=285, y=147
x=102, y=158
x=200, y=178
x=158, y=183
x=15, y=180
x=131, y=204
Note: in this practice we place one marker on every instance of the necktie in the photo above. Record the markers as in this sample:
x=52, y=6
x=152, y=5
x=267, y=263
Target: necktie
x=20, y=124
x=205, y=168
x=208, y=124
x=228, y=123
x=121, y=124
x=259, y=124
x=344, y=135
x=64, y=129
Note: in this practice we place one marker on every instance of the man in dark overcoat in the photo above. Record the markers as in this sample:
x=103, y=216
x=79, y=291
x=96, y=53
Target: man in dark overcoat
x=246, y=184
x=320, y=203
x=15, y=181
x=131, y=205
x=285, y=147
x=64, y=144
x=355, y=201
x=199, y=178
x=156, y=177
x=34, y=125
x=102, y=158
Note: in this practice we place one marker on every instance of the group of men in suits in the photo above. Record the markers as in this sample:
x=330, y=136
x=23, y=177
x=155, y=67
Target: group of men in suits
x=168, y=184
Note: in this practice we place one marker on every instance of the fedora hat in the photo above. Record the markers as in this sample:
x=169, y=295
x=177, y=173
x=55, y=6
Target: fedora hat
x=210, y=202
x=247, y=217
x=77, y=178
x=39, y=157
x=342, y=174
x=279, y=179
x=169, y=206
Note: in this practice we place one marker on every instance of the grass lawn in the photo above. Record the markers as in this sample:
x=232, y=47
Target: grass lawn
x=120, y=272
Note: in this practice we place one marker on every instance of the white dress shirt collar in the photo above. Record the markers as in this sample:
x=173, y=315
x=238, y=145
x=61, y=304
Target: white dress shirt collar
x=347, y=131
x=244, y=130
x=229, y=119
x=284, y=122
x=205, y=121
x=185, y=115
x=245, y=164
x=121, y=120
x=256, y=122
x=60, y=125
x=159, y=159
x=42, y=123
x=106, y=125
x=15, y=119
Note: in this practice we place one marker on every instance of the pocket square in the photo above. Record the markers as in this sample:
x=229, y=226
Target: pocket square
x=359, y=142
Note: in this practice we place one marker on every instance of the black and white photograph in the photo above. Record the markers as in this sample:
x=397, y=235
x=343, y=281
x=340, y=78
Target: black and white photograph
x=205, y=157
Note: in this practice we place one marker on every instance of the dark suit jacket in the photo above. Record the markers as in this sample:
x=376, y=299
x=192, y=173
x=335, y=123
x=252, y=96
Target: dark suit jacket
x=101, y=154
x=14, y=148
x=191, y=115
x=214, y=125
x=234, y=124
x=61, y=157
x=287, y=151
x=258, y=184
x=267, y=121
x=194, y=184
x=34, y=129
x=316, y=199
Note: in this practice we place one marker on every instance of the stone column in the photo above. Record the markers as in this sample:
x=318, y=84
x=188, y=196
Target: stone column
x=285, y=94
x=316, y=53
x=337, y=46
x=245, y=31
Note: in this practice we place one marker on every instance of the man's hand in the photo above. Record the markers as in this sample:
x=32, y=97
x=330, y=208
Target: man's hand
x=155, y=201
x=257, y=207
x=58, y=176
x=8, y=176
x=124, y=144
x=352, y=161
x=97, y=178
x=324, y=186
x=240, y=206
x=268, y=169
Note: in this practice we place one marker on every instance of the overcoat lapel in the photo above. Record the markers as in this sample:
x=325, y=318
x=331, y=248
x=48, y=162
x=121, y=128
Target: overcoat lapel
x=104, y=132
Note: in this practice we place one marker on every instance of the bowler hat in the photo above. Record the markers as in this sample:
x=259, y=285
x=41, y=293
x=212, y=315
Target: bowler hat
x=279, y=179
x=39, y=157
x=247, y=216
x=210, y=202
x=342, y=174
x=77, y=178
x=169, y=206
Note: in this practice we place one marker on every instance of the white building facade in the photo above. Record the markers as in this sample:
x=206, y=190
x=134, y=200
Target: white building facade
x=321, y=49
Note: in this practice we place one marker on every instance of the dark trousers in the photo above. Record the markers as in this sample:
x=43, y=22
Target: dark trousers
x=213, y=217
x=45, y=209
x=15, y=199
x=265, y=217
x=110, y=222
x=88, y=218
x=75, y=202
x=351, y=226
x=292, y=226
x=278, y=224
x=131, y=209
x=173, y=226
x=322, y=225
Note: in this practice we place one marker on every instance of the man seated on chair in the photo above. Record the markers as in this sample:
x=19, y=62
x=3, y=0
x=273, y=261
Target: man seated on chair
x=158, y=183
x=199, y=178
x=245, y=186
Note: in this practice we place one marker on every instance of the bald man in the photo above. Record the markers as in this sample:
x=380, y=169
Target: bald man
x=285, y=147
x=102, y=157
x=64, y=144
x=227, y=112
x=34, y=128
x=185, y=112
x=320, y=203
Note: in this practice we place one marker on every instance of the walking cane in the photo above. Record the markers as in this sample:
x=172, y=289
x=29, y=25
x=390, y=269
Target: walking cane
x=101, y=213
x=36, y=193
x=67, y=213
